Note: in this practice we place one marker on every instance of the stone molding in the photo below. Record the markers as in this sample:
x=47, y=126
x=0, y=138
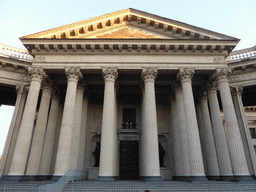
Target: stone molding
x=149, y=73
x=73, y=74
x=37, y=73
x=109, y=73
x=185, y=74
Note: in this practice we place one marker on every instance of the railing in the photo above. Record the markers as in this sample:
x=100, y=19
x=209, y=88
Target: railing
x=15, y=52
x=242, y=54
x=129, y=125
x=70, y=176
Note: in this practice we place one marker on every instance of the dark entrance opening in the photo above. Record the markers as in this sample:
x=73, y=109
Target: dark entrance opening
x=129, y=118
x=129, y=160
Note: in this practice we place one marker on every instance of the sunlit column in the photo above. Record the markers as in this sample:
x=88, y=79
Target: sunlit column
x=210, y=151
x=83, y=133
x=39, y=131
x=222, y=151
x=77, y=126
x=149, y=134
x=46, y=159
x=20, y=155
x=65, y=138
x=9, y=146
x=235, y=144
x=182, y=134
x=107, y=169
x=175, y=139
x=244, y=129
x=195, y=154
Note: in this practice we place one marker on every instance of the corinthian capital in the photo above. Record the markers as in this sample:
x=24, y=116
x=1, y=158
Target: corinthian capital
x=37, y=73
x=21, y=90
x=149, y=73
x=222, y=74
x=73, y=73
x=185, y=74
x=237, y=91
x=109, y=73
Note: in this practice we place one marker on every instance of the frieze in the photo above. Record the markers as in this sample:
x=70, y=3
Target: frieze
x=219, y=59
x=242, y=77
x=40, y=58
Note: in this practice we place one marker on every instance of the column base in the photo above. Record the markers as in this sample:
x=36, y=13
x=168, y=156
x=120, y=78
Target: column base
x=181, y=178
x=213, y=177
x=226, y=178
x=56, y=177
x=106, y=178
x=243, y=178
x=18, y=178
x=198, y=178
x=151, y=178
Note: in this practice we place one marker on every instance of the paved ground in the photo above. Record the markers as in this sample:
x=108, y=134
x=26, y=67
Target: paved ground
x=133, y=186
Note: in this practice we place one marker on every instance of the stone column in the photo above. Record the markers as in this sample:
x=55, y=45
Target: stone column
x=195, y=154
x=201, y=134
x=182, y=135
x=9, y=146
x=39, y=131
x=83, y=133
x=210, y=151
x=235, y=144
x=142, y=164
x=21, y=151
x=175, y=139
x=77, y=126
x=149, y=134
x=244, y=129
x=46, y=159
x=65, y=139
x=224, y=162
x=107, y=169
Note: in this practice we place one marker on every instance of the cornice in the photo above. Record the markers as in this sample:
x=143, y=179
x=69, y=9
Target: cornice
x=110, y=45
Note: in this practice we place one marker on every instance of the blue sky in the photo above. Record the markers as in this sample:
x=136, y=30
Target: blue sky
x=23, y=17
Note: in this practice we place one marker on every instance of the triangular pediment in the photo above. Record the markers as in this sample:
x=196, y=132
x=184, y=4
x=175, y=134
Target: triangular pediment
x=129, y=24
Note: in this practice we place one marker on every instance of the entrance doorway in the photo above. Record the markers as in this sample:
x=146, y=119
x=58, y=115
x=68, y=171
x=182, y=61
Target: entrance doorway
x=129, y=160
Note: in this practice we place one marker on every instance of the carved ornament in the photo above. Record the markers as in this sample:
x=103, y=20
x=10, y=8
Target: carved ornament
x=222, y=74
x=109, y=73
x=37, y=73
x=129, y=33
x=73, y=73
x=185, y=74
x=236, y=91
x=149, y=73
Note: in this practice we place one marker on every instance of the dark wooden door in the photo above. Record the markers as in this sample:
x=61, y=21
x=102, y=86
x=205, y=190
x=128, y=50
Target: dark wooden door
x=129, y=160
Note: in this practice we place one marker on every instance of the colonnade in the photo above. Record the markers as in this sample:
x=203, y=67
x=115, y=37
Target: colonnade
x=201, y=146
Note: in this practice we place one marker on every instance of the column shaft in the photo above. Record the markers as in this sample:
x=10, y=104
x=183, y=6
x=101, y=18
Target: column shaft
x=21, y=151
x=149, y=134
x=175, y=138
x=195, y=153
x=211, y=156
x=49, y=137
x=77, y=127
x=107, y=170
x=244, y=129
x=9, y=146
x=235, y=144
x=39, y=133
x=65, y=139
x=182, y=132
x=219, y=136
x=83, y=134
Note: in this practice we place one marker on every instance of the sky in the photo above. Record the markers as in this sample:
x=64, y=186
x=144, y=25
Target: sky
x=18, y=18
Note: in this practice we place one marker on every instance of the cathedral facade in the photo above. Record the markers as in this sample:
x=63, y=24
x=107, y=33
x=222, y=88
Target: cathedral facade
x=129, y=96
